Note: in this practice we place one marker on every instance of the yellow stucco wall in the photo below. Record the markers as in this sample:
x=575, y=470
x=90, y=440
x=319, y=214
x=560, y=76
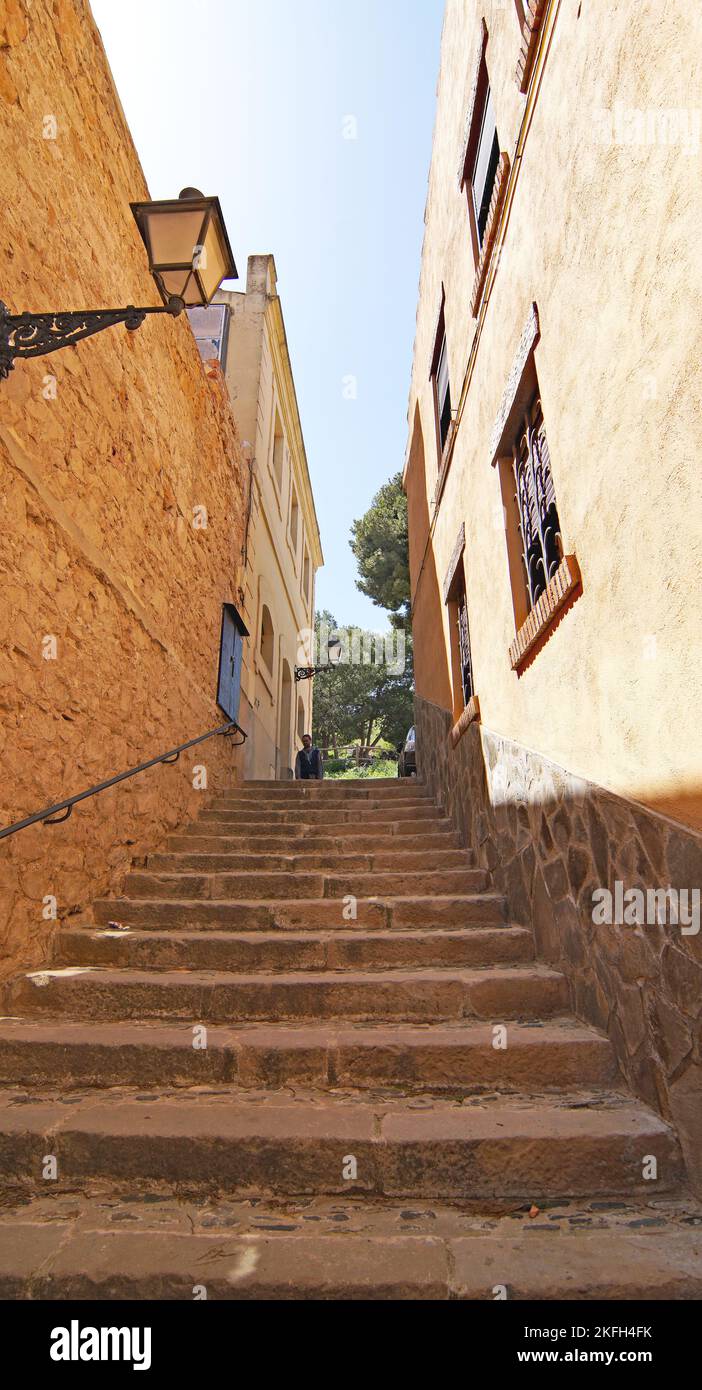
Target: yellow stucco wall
x=259, y=376
x=604, y=237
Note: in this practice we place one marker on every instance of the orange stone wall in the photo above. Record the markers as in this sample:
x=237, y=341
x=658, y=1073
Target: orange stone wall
x=106, y=450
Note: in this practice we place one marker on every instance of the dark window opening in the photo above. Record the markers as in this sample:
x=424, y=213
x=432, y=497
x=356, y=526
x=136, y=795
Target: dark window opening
x=464, y=653
x=539, y=525
x=267, y=638
x=443, y=393
x=441, y=385
x=461, y=657
x=487, y=158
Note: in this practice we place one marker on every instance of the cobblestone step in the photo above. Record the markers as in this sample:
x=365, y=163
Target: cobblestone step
x=111, y=1246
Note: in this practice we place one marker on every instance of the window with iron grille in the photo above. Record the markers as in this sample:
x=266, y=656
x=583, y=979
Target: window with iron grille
x=540, y=529
x=464, y=654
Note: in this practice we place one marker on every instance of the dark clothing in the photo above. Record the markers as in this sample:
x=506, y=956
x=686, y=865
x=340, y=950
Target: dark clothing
x=308, y=765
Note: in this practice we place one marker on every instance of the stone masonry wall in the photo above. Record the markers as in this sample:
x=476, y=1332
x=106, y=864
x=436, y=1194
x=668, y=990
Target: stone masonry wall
x=110, y=596
x=550, y=840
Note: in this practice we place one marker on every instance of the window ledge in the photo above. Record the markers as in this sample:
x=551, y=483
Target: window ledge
x=470, y=715
x=496, y=201
x=530, y=38
x=565, y=587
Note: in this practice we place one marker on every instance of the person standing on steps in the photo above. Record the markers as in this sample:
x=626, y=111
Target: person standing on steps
x=308, y=763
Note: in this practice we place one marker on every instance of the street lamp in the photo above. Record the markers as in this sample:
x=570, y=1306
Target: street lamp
x=335, y=653
x=189, y=256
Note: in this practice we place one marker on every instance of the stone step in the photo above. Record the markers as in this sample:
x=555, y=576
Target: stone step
x=306, y=914
x=315, y=823
x=280, y=951
x=300, y=863
x=495, y=994
x=416, y=816
x=402, y=1057
x=251, y=886
x=315, y=1144
x=351, y=786
x=110, y=1247
x=196, y=839
x=355, y=789
x=299, y=806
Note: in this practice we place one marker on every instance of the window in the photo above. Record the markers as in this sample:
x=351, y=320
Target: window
x=306, y=576
x=441, y=385
x=210, y=325
x=294, y=518
x=461, y=659
x=267, y=638
x=464, y=654
x=481, y=154
x=484, y=170
x=544, y=581
x=535, y=498
x=278, y=450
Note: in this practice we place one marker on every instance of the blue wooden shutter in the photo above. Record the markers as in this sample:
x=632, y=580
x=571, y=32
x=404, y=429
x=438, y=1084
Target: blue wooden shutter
x=230, y=658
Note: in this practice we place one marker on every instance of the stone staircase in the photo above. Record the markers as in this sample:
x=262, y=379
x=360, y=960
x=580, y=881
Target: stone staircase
x=306, y=1055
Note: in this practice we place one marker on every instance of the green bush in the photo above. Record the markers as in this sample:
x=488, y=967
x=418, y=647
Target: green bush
x=383, y=767
x=333, y=766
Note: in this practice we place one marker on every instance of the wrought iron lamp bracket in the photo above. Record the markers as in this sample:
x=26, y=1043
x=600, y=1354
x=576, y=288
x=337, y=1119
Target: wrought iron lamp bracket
x=35, y=335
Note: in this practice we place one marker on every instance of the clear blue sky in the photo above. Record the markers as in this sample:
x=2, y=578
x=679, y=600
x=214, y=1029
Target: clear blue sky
x=247, y=99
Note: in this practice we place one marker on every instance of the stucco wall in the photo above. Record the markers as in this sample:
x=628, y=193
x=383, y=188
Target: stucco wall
x=605, y=238
x=98, y=486
x=260, y=381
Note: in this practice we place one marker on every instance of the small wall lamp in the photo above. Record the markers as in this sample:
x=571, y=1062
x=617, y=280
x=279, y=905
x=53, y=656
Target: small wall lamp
x=189, y=256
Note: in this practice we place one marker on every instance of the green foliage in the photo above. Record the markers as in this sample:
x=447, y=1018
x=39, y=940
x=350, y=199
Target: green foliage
x=363, y=701
x=334, y=766
x=379, y=541
x=381, y=767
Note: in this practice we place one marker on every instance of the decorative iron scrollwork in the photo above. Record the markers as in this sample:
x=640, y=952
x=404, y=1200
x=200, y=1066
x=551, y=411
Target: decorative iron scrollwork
x=35, y=335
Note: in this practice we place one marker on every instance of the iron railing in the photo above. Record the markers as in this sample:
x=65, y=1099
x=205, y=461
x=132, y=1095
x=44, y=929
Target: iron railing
x=49, y=815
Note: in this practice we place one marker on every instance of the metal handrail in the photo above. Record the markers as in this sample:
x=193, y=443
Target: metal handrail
x=49, y=817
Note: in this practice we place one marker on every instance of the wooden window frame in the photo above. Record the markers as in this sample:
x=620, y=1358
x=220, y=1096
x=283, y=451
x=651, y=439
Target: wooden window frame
x=483, y=92
x=441, y=348
x=466, y=707
x=537, y=607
